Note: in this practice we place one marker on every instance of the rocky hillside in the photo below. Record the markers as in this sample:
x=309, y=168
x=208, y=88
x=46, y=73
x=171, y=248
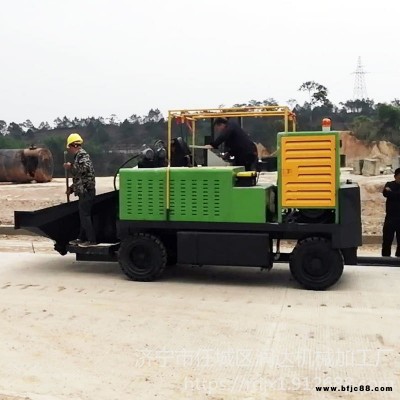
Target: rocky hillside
x=356, y=149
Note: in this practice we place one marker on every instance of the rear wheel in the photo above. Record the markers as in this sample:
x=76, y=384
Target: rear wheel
x=142, y=257
x=315, y=265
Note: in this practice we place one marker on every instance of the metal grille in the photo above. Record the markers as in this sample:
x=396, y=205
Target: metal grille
x=195, y=198
x=144, y=198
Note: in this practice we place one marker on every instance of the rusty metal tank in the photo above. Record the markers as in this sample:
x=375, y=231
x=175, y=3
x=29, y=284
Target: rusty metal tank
x=26, y=165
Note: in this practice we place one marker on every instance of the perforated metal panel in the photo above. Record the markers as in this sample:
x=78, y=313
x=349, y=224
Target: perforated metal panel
x=201, y=194
x=142, y=195
x=196, y=194
x=197, y=198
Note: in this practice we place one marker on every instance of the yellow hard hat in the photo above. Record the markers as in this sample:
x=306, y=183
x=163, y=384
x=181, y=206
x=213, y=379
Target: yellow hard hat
x=74, y=138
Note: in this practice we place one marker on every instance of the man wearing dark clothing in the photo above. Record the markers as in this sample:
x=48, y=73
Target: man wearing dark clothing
x=237, y=141
x=83, y=186
x=392, y=220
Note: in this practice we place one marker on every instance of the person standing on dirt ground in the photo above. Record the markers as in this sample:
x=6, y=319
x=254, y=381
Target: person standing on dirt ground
x=238, y=141
x=84, y=187
x=392, y=219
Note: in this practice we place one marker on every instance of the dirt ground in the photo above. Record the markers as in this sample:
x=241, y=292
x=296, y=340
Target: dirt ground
x=82, y=331
x=33, y=196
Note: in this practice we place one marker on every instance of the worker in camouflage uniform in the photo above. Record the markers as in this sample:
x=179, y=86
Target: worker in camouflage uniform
x=83, y=186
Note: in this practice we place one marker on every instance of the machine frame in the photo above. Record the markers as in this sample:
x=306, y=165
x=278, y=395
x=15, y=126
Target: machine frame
x=144, y=248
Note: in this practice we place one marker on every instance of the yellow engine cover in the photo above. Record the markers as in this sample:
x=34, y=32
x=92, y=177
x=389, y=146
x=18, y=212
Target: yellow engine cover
x=308, y=171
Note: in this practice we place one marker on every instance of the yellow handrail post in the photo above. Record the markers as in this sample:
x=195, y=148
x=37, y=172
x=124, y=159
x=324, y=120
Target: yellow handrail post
x=193, y=139
x=286, y=121
x=168, y=165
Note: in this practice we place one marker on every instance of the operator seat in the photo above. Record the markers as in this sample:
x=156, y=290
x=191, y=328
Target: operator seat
x=181, y=155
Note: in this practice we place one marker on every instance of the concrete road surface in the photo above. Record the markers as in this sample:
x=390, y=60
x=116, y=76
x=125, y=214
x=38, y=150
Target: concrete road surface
x=73, y=330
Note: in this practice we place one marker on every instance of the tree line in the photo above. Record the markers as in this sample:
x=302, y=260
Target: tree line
x=110, y=140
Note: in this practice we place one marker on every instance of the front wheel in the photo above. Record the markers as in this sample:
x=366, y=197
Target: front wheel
x=142, y=257
x=315, y=264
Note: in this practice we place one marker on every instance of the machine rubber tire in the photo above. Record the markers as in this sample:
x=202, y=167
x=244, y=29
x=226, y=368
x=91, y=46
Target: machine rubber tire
x=315, y=265
x=142, y=257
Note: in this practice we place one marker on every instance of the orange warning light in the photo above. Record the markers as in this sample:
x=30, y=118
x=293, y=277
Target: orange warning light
x=326, y=124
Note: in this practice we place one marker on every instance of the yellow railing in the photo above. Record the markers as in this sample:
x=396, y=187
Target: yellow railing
x=194, y=115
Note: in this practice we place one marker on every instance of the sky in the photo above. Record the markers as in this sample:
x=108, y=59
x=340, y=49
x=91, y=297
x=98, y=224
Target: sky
x=82, y=58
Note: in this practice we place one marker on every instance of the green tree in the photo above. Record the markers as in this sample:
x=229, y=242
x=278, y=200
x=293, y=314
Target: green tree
x=8, y=142
x=129, y=130
x=365, y=128
x=318, y=95
x=102, y=136
x=15, y=130
x=3, y=127
x=270, y=102
x=388, y=117
x=237, y=105
x=291, y=102
x=365, y=107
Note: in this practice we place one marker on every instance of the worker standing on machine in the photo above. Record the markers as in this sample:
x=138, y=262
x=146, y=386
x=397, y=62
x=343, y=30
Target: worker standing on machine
x=83, y=186
x=238, y=141
x=392, y=220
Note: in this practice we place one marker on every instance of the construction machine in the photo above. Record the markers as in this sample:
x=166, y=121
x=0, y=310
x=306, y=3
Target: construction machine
x=170, y=209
